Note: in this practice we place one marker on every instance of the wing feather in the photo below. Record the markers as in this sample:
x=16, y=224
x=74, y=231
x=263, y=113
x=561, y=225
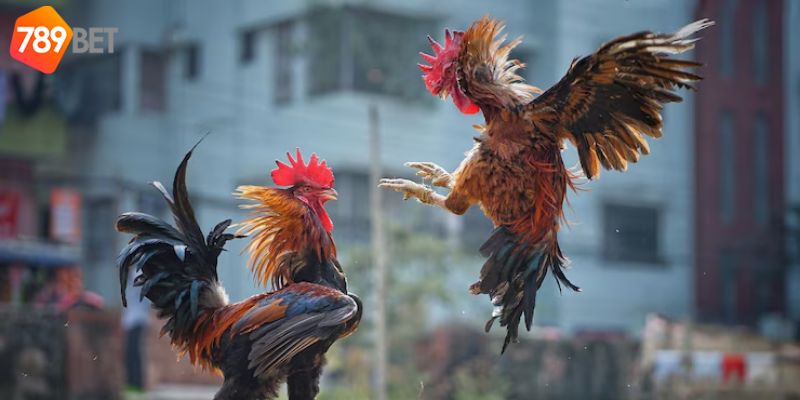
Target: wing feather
x=292, y=320
x=610, y=100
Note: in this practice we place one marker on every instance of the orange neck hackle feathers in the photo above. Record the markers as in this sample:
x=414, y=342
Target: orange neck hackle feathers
x=491, y=76
x=282, y=224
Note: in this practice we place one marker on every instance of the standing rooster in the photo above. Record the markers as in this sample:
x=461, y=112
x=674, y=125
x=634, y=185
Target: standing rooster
x=268, y=338
x=605, y=105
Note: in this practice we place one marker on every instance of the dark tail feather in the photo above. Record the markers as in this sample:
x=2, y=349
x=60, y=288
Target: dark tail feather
x=511, y=276
x=176, y=267
x=180, y=205
x=155, y=239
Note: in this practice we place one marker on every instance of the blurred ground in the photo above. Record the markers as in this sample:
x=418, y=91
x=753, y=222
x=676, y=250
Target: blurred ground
x=175, y=392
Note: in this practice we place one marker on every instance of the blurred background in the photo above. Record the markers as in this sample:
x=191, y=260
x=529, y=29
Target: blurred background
x=690, y=261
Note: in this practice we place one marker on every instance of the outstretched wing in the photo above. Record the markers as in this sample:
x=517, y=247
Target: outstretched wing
x=609, y=99
x=293, y=319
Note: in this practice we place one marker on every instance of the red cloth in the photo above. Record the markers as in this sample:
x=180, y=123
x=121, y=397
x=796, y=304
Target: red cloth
x=733, y=365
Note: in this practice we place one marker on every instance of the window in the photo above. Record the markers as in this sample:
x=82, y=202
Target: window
x=151, y=202
x=191, y=68
x=89, y=87
x=767, y=280
x=631, y=233
x=283, y=65
x=761, y=168
x=247, y=47
x=99, y=238
x=761, y=43
x=729, y=285
x=44, y=221
x=727, y=176
x=367, y=51
x=107, y=91
x=350, y=212
x=728, y=38
x=152, y=81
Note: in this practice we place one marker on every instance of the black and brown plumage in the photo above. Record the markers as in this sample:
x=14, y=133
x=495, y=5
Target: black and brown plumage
x=274, y=337
x=606, y=105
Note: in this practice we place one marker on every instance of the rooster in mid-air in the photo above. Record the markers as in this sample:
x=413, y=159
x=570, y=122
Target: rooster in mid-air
x=605, y=106
x=269, y=338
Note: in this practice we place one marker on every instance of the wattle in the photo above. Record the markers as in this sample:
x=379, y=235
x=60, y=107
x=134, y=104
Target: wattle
x=464, y=104
x=323, y=216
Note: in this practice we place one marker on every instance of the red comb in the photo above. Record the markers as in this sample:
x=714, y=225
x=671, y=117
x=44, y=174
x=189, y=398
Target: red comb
x=440, y=60
x=314, y=172
x=440, y=75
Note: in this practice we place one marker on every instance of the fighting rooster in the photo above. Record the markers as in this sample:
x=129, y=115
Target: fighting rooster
x=605, y=106
x=268, y=338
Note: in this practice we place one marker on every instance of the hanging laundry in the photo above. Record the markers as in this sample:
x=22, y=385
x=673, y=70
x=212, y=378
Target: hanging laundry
x=28, y=103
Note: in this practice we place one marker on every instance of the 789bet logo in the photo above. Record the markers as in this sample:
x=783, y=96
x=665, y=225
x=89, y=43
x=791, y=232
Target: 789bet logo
x=41, y=38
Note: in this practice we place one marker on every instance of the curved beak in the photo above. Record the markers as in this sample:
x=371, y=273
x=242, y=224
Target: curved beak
x=328, y=194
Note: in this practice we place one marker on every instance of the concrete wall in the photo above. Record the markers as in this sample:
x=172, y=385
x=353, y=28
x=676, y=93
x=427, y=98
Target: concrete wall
x=618, y=295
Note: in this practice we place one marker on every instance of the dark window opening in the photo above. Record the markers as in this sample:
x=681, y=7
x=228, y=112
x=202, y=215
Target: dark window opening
x=151, y=202
x=357, y=49
x=99, y=237
x=152, y=83
x=192, y=62
x=761, y=43
x=283, y=62
x=631, y=233
x=727, y=175
x=729, y=286
x=44, y=221
x=248, y=47
x=90, y=87
x=728, y=38
x=761, y=168
x=350, y=212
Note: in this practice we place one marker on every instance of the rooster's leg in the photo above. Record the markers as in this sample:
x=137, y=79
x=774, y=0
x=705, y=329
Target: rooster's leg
x=438, y=175
x=303, y=379
x=410, y=189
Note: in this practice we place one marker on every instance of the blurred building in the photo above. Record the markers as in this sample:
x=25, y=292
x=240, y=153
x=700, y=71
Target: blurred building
x=40, y=207
x=743, y=183
x=791, y=73
x=265, y=77
x=631, y=240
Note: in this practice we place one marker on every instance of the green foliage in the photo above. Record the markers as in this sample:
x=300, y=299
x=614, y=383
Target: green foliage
x=472, y=382
x=419, y=266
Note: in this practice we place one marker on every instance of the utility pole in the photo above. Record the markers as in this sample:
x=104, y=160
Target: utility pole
x=378, y=255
